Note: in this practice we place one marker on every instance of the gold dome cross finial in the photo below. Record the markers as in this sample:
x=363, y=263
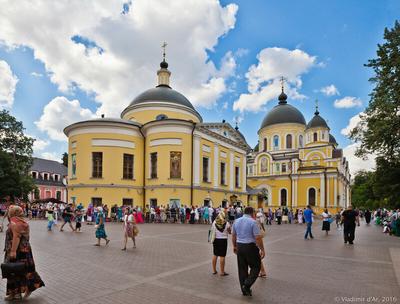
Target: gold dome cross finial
x=282, y=82
x=163, y=46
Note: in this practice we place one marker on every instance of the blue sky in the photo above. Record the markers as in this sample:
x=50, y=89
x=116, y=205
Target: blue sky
x=97, y=64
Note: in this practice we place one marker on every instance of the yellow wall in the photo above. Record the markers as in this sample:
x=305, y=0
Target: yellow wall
x=281, y=130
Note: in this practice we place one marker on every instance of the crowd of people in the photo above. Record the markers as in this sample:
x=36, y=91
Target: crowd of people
x=246, y=225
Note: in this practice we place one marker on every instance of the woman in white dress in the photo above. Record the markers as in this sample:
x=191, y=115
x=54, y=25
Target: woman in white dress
x=300, y=217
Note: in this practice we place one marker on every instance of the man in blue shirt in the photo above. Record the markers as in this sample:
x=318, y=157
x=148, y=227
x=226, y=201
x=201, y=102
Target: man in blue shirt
x=249, y=248
x=308, y=219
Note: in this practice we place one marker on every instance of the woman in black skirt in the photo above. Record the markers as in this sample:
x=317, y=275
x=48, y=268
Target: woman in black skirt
x=221, y=229
x=326, y=224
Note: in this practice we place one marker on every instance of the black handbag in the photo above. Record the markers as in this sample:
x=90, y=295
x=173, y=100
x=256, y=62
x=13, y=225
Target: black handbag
x=13, y=269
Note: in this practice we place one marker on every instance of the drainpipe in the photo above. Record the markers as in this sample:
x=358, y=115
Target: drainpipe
x=325, y=186
x=144, y=168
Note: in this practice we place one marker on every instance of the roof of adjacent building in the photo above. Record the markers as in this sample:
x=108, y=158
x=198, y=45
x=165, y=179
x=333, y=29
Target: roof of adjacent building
x=50, y=166
x=332, y=139
x=283, y=113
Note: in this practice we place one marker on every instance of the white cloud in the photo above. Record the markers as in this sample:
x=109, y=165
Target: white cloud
x=225, y=105
x=263, y=78
x=347, y=102
x=34, y=74
x=352, y=124
x=122, y=51
x=357, y=164
x=51, y=156
x=8, y=82
x=330, y=90
x=59, y=113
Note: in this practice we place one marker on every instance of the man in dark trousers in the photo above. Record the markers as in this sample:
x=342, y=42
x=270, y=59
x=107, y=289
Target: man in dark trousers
x=349, y=219
x=249, y=248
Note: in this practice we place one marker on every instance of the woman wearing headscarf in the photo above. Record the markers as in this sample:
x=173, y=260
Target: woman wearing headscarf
x=220, y=244
x=18, y=249
x=100, y=231
x=130, y=229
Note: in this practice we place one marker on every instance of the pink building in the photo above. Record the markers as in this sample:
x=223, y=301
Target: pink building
x=50, y=178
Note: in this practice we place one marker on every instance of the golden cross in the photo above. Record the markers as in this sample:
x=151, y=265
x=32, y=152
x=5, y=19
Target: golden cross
x=282, y=82
x=164, y=45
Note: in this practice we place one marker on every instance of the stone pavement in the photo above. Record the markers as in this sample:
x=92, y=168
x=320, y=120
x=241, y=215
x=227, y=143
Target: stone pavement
x=172, y=264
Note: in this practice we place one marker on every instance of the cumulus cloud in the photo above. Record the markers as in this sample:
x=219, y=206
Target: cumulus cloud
x=34, y=74
x=112, y=51
x=330, y=90
x=51, y=156
x=59, y=113
x=355, y=163
x=352, y=124
x=8, y=82
x=347, y=102
x=263, y=78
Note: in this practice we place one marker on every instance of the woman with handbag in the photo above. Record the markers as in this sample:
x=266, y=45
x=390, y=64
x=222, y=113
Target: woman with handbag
x=20, y=280
x=100, y=231
x=220, y=230
x=326, y=221
x=130, y=229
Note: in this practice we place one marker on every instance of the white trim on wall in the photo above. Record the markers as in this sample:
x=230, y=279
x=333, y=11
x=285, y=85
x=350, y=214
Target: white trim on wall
x=166, y=141
x=99, y=142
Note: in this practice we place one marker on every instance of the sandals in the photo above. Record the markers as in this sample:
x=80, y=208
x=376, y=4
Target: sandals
x=108, y=241
x=264, y=275
x=96, y=244
x=224, y=274
x=215, y=272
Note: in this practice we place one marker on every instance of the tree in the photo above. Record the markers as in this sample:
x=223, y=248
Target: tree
x=378, y=131
x=379, y=128
x=15, y=157
x=65, y=159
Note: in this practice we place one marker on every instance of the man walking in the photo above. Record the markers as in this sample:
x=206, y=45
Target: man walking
x=349, y=219
x=249, y=248
x=308, y=219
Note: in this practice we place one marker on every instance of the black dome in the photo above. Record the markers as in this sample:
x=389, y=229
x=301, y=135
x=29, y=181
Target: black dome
x=332, y=139
x=283, y=113
x=162, y=93
x=317, y=122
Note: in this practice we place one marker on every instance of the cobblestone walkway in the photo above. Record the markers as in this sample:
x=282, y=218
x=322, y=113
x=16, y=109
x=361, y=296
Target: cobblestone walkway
x=171, y=264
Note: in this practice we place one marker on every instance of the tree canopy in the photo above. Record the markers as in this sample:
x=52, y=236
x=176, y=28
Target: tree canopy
x=15, y=157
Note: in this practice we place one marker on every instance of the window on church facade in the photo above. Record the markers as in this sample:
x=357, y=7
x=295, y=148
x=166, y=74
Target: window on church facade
x=265, y=144
x=301, y=141
x=277, y=167
x=175, y=164
x=283, y=168
x=34, y=175
x=153, y=165
x=206, y=177
x=315, y=136
x=97, y=164
x=237, y=177
x=58, y=195
x=289, y=141
x=128, y=166
x=276, y=142
x=222, y=173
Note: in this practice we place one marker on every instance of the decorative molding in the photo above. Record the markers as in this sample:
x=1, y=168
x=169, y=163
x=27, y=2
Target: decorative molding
x=223, y=154
x=166, y=141
x=97, y=142
x=105, y=130
x=206, y=148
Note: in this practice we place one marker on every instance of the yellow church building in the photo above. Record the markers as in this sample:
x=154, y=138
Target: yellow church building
x=296, y=164
x=159, y=152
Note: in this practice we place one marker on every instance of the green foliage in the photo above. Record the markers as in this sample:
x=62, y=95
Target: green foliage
x=15, y=157
x=379, y=129
x=65, y=159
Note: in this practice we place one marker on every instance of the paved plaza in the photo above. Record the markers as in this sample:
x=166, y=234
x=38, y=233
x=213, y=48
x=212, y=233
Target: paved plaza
x=172, y=264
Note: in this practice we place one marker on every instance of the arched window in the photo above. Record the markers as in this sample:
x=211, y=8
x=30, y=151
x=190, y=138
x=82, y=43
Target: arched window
x=289, y=141
x=161, y=117
x=311, y=197
x=265, y=144
x=315, y=136
x=276, y=142
x=283, y=197
x=301, y=141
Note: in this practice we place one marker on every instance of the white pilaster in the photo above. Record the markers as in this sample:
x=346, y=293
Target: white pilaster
x=231, y=170
x=196, y=160
x=243, y=172
x=216, y=165
x=335, y=191
x=293, y=190
x=328, y=203
x=322, y=190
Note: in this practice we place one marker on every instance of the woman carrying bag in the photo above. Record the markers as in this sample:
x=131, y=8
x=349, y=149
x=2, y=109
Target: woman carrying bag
x=17, y=252
x=219, y=238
